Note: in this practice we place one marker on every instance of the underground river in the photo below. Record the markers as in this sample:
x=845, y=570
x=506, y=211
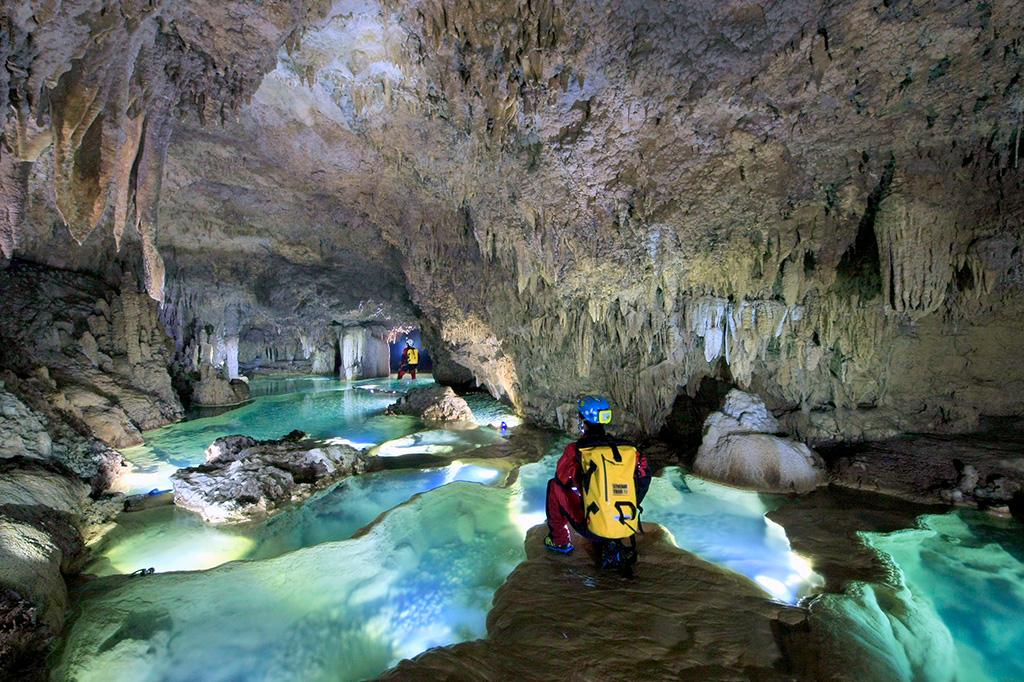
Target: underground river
x=386, y=565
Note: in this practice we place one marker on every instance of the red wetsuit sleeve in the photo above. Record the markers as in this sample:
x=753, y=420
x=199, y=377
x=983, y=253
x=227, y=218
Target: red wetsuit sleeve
x=568, y=466
x=405, y=356
x=642, y=476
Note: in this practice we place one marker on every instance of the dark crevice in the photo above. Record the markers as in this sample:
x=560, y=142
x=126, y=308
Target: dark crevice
x=859, y=272
x=685, y=424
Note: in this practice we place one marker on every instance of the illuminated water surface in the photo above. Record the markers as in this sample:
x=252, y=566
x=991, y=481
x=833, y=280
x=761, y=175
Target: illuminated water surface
x=311, y=601
x=322, y=407
x=965, y=571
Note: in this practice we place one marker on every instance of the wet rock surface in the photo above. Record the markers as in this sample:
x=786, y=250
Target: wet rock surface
x=98, y=352
x=245, y=479
x=433, y=404
x=212, y=389
x=559, y=616
x=984, y=470
x=740, y=448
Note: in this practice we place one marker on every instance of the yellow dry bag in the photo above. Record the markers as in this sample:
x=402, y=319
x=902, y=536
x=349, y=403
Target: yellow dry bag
x=413, y=357
x=609, y=490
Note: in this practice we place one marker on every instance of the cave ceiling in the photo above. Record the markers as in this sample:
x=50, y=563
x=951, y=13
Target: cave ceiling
x=614, y=196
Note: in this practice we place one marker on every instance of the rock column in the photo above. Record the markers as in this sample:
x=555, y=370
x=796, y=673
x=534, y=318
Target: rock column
x=365, y=353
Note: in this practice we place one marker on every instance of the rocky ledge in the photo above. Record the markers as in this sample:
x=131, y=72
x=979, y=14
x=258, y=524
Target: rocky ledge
x=245, y=479
x=558, y=616
x=983, y=470
x=212, y=389
x=433, y=404
x=92, y=351
x=740, y=448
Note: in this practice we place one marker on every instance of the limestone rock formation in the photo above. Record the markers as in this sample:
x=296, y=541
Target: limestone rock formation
x=983, y=470
x=39, y=537
x=433, y=404
x=245, y=479
x=740, y=448
x=38, y=485
x=99, y=353
x=43, y=509
x=103, y=88
x=22, y=433
x=364, y=353
x=611, y=197
x=682, y=618
x=24, y=639
x=213, y=389
x=65, y=440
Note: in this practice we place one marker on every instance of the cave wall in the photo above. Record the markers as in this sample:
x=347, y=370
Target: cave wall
x=97, y=352
x=102, y=86
x=616, y=197
x=816, y=201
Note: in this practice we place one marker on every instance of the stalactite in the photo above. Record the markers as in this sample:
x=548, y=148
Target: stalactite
x=156, y=135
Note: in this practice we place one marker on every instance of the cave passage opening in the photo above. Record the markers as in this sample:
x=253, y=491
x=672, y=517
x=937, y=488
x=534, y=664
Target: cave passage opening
x=398, y=346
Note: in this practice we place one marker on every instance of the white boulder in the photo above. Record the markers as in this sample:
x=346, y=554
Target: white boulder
x=741, y=448
x=433, y=404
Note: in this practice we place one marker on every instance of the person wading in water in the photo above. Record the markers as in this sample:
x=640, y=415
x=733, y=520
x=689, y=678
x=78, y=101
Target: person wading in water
x=410, y=360
x=599, y=484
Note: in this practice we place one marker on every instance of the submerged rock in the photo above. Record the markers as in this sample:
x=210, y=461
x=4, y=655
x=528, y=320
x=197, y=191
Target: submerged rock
x=433, y=404
x=740, y=448
x=245, y=479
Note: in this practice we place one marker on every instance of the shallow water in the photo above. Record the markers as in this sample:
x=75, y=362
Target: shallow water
x=385, y=565
x=421, y=577
x=966, y=570
x=173, y=539
x=321, y=407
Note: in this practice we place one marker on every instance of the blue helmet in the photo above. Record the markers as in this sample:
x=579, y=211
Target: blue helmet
x=595, y=410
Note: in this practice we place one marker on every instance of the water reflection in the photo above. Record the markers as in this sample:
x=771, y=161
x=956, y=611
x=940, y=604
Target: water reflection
x=321, y=407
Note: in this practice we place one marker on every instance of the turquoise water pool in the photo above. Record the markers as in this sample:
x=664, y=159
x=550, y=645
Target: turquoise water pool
x=173, y=539
x=321, y=407
x=318, y=603
x=965, y=571
x=382, y=566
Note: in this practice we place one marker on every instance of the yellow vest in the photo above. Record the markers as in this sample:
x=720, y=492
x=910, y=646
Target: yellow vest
x=413, y=357
x=609, y=490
